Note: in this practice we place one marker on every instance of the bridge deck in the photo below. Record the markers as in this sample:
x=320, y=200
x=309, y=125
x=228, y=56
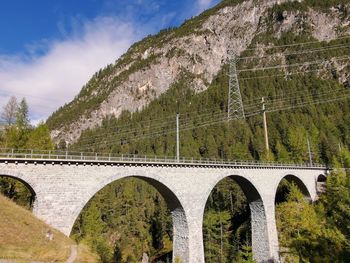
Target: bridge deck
x=69, y=158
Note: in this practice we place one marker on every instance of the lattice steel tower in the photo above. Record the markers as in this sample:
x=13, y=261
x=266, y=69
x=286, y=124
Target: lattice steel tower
x=235, y=103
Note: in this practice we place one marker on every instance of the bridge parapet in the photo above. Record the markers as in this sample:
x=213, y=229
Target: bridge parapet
x=84, y=158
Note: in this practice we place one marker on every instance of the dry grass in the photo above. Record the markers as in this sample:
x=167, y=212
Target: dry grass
x=85, y=255
x=23, y=237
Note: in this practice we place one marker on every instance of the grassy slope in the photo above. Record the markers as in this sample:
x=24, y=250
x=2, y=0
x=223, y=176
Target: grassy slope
x=22, y=237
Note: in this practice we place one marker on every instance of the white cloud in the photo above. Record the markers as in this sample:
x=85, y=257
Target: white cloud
x=203, y=4
x=48, y=81
x=54, y=72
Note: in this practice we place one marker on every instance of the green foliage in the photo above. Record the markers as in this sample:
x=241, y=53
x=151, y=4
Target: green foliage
x=22, y=136
x=131, y=217
x=16, y=191
x=307, y=232
x=336, y=201
x=22, y=117
x=326, y=5
x=15, y=138
x=217, y=233
x=94, y=225
x=288, y=131
x=158, y=225
x=39, y=138
x=226, y=227
x=245, y=255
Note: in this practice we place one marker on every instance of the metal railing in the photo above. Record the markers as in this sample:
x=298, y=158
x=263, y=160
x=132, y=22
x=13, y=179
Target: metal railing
x=55, y=155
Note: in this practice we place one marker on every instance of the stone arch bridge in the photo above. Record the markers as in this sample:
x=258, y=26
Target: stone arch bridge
x=63, y=185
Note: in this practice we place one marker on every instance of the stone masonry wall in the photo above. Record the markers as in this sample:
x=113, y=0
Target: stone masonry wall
x=62, y=191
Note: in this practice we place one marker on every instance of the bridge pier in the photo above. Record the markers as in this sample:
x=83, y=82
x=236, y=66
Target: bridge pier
x=260, y=240
x=265, y=246
x=196, y=246
x=181, y=250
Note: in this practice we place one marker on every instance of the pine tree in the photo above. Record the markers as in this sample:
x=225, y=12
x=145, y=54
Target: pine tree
x=39, y=138
x=22, y=117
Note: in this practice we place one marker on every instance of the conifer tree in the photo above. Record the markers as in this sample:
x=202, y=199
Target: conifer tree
x=22, y=117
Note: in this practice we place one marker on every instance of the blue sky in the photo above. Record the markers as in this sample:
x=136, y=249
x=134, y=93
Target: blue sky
x=50, y=48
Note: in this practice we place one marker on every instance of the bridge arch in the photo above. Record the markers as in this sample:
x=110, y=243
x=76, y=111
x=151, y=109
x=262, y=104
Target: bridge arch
x=300, y=183
x=179, y=219
x=259, y=228
x=28, y=185
x=321, y=181
x=321, y=178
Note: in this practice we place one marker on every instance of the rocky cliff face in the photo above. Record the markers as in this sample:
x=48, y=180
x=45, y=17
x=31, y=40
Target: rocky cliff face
x=199, y=48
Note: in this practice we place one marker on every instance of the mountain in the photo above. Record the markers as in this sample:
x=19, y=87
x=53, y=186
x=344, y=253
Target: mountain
x=198, y=49
x=129, y=108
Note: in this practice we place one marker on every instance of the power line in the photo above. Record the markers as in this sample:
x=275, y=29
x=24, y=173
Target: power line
x=284, y=75
x=340, y=46
x=150, y=129
x=221, y=117
x=158, y=128
x=313, y=91
x=121, y=131
x=309, y=103
x=296, y=44
x=313, y=94
x=296, y=64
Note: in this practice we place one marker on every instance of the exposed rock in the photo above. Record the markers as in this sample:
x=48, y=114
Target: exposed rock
x=145, y=258
x=201, y=52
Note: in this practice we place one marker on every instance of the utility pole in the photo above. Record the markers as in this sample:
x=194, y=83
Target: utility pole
x=341, y=157
x=309, y=150
x=177, y=137
x=221, y=241
x=235, y=103
x=265, y=124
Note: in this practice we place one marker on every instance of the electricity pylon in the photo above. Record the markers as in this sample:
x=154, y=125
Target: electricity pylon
x=235, y=103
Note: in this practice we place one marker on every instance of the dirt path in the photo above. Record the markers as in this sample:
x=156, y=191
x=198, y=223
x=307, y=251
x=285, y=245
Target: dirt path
x=73, y=254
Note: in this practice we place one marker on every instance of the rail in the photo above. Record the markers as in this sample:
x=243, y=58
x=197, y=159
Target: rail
x=53, y=155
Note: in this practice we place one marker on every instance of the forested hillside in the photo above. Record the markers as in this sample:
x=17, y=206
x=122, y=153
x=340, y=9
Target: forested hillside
x=199, y=47
x=305, y=83
x=150, y=131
